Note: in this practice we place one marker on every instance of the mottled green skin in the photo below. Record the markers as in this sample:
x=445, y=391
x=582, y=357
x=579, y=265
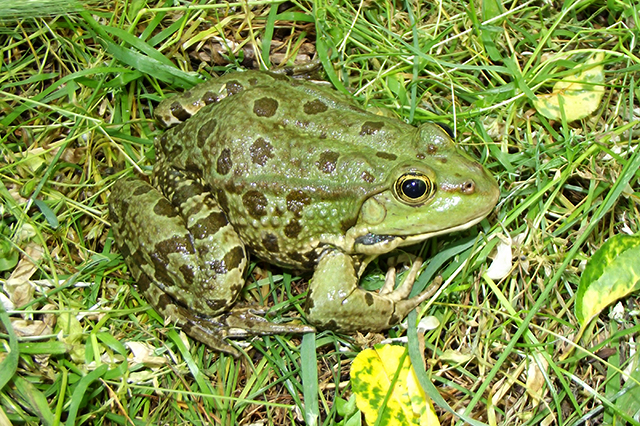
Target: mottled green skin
x=303, y=178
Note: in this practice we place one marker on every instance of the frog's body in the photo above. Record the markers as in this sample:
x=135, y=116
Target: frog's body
x=304, y=179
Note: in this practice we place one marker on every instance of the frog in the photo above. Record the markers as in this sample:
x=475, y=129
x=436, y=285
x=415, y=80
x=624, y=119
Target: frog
x=302, y=177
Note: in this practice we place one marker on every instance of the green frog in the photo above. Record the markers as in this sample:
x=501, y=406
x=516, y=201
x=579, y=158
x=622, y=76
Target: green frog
x=300, y=176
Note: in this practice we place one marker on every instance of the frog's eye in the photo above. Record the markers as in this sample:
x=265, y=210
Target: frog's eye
x=414, y=188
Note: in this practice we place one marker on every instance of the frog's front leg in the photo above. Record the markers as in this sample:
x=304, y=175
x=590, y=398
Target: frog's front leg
x=336, y=302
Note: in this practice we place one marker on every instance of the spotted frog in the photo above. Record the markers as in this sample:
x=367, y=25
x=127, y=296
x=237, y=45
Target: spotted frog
x=301, y=177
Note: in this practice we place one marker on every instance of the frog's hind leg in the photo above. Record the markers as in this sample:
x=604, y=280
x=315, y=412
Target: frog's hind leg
x=187, y=259
x=189, y=266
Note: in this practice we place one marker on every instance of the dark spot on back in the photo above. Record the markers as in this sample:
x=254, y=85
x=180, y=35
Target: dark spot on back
x=261, y=151
x=315, y=106
x=371, y=127
x=144, y=283
x=420, y=156
x=296, y=202
x=175, y=244
x=367, y=177
x=265, y=107
x=253, y=81
x=205, y=131
x=234, y=257
x=208, y=225
x=164, y=208
x=234, y=87
x=327, y=161
x=240, y=170
x=187, y=273
x=178, y=111
x=234, y=187
x=292, y=229
x=256, y=203
x=164, y=301
x=187, y=191
x=224, y=162
x=209, y=98
x=431, y=149
x=217, y=266
x=270, y=243
x=191, y=166
x=142, y=189
x=386, y=156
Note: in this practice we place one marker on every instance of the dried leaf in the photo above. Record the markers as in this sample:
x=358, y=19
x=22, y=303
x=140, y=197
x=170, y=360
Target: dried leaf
x=27, y=328
x=455, y=357
x=578, y=95
x=143, y=353
x=502, y=262
x=535, y=378
x=17, y=286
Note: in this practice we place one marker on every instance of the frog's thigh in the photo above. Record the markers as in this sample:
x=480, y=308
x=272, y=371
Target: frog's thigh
x=336, y=302
x=197, y=260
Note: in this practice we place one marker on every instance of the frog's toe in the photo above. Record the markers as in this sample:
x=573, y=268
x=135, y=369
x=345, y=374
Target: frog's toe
x=403, y=307
x=402, y=292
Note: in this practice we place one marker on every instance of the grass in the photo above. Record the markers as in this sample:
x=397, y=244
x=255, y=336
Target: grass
x=76, y=94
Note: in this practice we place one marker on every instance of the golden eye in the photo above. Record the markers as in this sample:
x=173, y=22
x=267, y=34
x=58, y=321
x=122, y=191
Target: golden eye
x=414, y=188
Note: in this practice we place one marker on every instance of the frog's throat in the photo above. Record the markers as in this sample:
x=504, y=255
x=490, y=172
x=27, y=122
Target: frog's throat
x=376, y=244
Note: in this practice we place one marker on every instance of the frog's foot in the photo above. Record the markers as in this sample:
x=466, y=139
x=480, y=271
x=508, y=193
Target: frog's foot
x=243, y=320
x=239, y=322
x=336, y=302
x=399, y=295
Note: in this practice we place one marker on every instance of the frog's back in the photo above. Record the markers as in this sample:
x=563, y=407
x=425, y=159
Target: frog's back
x=269, y=131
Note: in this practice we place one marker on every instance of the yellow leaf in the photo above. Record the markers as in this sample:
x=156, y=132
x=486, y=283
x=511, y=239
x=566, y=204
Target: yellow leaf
x=372, y=374
x=580, y=93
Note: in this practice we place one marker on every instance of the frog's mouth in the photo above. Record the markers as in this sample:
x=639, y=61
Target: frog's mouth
x=375, y=243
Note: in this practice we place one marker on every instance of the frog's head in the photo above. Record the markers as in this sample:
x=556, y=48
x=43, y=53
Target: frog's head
x=437, y=191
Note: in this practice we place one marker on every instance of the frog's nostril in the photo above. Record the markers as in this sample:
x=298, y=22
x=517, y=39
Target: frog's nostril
x=468, y=187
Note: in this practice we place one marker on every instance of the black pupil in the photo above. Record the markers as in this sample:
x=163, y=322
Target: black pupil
x=414, y=188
